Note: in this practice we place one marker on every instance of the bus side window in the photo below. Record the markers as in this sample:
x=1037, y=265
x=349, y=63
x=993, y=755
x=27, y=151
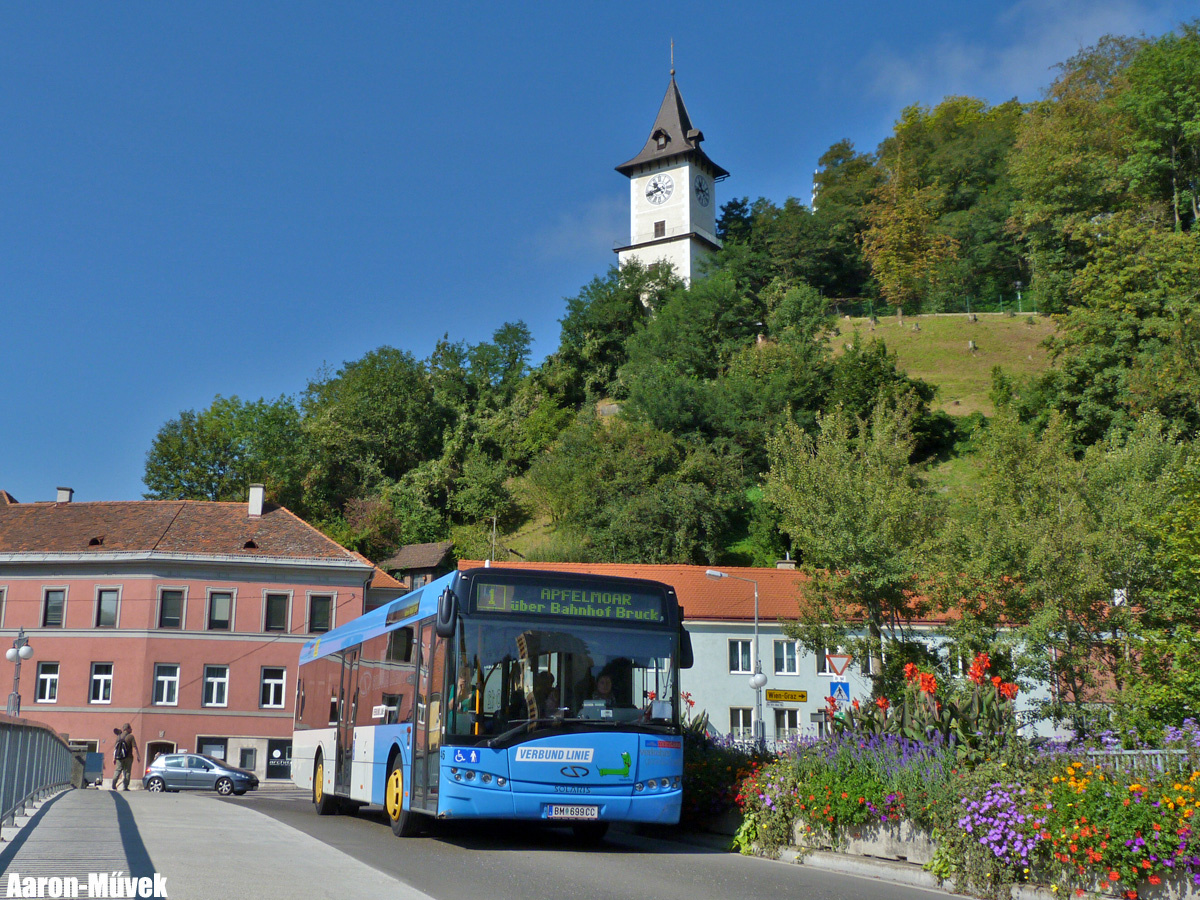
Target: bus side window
x=400, y=645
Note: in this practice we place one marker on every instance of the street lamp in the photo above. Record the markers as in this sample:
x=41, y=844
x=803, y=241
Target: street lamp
x=758, y=680
x=20, y=650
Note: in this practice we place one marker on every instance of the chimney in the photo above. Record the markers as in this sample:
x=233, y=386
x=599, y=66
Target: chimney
x=256, y=500
x=65, y=495
x=786, y=563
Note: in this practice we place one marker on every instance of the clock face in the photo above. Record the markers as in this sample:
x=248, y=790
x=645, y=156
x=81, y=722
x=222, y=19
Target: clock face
x=703, y=191
x=659, y=189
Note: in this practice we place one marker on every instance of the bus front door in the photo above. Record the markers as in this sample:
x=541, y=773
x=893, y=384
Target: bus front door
x=348, y=713
x=427, y=733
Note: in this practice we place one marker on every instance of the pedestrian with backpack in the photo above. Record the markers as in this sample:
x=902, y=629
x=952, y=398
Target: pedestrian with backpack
x=123, y=753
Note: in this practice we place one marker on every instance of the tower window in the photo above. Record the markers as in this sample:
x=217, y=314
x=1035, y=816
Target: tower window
x=661, y=138
x=660, y=229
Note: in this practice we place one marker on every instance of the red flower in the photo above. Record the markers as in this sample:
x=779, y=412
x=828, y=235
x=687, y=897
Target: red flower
x=928, y=683
x=882, y=703
x=1154, y=879
x=1008, y=690
x=978, y=670
x=1131, y=895
x=996, y=679
x=1114, y=875
x=910, y=671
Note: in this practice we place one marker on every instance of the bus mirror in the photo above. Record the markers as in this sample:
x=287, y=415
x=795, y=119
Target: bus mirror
x=447, y=614
x=686, y=659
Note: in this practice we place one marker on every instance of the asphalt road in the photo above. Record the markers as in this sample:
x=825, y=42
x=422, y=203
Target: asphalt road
x=514, y=861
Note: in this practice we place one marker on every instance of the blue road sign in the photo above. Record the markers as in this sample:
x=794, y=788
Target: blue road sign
x=840, y=691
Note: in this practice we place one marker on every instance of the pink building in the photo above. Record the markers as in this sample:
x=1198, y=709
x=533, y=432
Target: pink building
x=183, y=618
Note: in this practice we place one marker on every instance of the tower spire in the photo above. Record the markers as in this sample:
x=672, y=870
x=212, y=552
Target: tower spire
x=672, y=57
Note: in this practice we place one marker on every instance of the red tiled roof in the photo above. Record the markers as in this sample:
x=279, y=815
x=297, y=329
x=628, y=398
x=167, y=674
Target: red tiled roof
x=419, y=556
x=702, y=598
x=164, y=526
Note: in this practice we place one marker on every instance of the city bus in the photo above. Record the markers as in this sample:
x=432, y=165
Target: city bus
x=502, y=694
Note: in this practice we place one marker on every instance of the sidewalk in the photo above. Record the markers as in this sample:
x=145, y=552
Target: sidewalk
x=201, y=846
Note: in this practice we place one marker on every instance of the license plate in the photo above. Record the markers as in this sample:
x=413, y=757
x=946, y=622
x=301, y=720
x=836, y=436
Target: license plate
x=574, y=812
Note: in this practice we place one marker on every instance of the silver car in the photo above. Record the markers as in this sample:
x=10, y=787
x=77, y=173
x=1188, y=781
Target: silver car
x=197, y=772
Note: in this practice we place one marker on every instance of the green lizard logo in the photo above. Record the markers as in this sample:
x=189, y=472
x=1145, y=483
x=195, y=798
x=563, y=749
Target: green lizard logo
x=620, y=773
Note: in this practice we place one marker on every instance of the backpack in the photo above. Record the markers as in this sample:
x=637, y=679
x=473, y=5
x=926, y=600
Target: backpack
x=121, y=750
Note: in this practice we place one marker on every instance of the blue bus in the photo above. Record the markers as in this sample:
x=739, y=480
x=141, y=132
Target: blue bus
x=499, y=693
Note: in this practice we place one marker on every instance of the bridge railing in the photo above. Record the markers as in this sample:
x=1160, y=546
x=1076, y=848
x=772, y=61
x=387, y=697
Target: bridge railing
x=35, y=761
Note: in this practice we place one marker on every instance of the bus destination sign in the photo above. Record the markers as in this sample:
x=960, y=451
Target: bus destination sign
x=574, y=601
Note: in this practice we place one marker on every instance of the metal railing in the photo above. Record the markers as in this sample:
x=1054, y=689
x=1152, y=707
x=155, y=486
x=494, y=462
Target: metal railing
x=35, y=761
x=1132, y=762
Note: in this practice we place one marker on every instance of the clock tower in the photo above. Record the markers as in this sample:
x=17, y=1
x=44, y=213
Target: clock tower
x=672, y=201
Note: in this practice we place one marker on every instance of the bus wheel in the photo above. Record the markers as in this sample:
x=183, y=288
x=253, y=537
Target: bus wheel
x=404, y=821
x=325, y=804
x=590, y=832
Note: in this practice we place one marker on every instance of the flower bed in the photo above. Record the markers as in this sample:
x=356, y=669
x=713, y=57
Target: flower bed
x=1060, y=818
x=996, y=811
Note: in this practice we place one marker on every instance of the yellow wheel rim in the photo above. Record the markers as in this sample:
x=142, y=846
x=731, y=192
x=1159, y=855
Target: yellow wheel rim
x=395, y=793
x=319, y=782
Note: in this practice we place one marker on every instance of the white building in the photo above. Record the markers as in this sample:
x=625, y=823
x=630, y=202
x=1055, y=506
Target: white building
x=672, y=193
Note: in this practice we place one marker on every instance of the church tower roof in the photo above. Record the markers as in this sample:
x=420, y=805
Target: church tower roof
x=672, y=136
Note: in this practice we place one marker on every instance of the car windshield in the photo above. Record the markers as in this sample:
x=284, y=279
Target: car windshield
x=511, y=678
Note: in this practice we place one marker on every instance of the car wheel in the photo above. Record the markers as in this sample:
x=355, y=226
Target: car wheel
x=156, y=785
x=325, y=804
x=224, y=787
x=590, y=832
x=404, y=821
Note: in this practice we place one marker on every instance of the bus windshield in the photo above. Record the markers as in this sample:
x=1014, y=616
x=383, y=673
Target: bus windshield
x=513, y=678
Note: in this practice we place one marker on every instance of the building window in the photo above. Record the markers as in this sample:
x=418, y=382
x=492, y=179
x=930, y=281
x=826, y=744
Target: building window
x=277, y=613
x=106, y=607
x=248, y=758
x=166, y=684
x=47, y=682
x=320, y=613
x=419, y=581
x=823, y=666
x=216, y=685
x=220, y=611
x=54, y=601
x=739, y=658
x=785, y=658
x=865, y=666
x=660, y=229
x=787, y=724
x=741, y=727
x=273, y=682
x=1, y=607
x=170, y=609
x=102, y=679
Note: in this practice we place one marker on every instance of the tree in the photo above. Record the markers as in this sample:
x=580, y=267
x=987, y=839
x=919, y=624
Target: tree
x=627, y=492
x=1162, y=104
x=216, y=453
x=599, y=322
x=1029, y=571
x=857, y=513
x=1129, y=343
x=373, y=421
x=1066, y=163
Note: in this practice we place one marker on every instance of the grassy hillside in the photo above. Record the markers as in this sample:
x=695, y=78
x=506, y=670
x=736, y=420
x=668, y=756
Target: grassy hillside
x=939, y=352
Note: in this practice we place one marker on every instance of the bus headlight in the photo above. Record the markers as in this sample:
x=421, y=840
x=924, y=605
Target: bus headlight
x=485, y=778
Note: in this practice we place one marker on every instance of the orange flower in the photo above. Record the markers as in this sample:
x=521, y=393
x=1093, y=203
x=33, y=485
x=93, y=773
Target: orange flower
x=1008, y=690
x=910, y=671
x=1154, y=879
x=1114, y=875
x=928, y=683
x=882, y=703
x=978, y=671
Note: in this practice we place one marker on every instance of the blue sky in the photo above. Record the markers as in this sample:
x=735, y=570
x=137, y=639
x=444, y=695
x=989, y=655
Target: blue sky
x=224, y=198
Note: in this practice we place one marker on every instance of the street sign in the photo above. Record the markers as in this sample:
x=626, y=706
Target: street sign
x=838, y=662
x=840, y=691
x=787, y=696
